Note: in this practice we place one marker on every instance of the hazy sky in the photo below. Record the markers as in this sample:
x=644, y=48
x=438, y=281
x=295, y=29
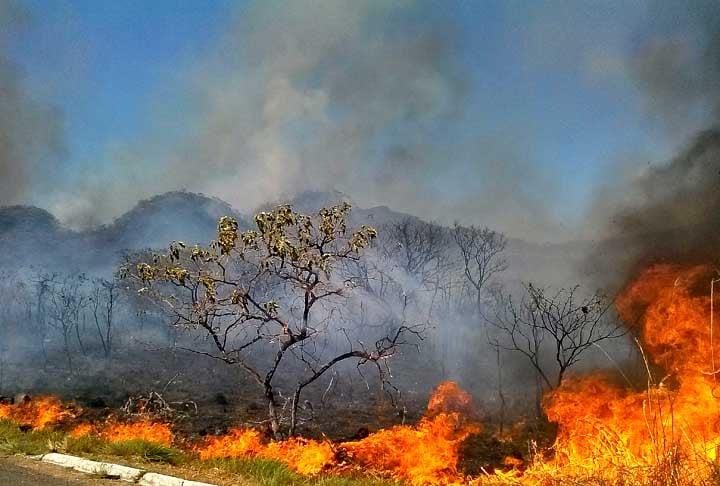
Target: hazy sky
x=516, y=115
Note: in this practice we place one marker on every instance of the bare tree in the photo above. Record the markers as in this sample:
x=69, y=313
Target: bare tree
x=44, y=283
x=417, y=246
x=481, y=255
x=104, y=295
x=554, y=330
x=66, y=307
x=267, y=296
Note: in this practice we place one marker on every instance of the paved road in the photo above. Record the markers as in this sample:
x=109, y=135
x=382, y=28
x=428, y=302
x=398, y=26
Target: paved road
x=22, y=471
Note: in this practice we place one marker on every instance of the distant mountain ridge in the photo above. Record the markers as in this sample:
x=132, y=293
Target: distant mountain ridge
x=33, y=237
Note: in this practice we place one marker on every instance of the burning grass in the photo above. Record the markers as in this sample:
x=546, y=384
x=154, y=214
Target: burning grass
x=667, y=433
x=434, y=443
x=145, y=430
x=37, y=413
x=269, y=472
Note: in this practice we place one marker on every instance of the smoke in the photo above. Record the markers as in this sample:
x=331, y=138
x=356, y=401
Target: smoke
x=308, y=95
x=671, y=212
x=30, y=132
x=678, y=69
x=322, y=94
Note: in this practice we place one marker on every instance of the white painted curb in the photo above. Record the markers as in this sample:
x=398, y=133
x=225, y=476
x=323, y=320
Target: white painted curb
x=124, y=473
x=153, y=479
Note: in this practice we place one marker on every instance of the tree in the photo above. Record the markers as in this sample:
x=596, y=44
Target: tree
x=564, y=323
x=421, y=250
x=43, y=283
x=104, y=295
x=481, y=254
x=419, y=247
x=67, y=304
x=270, y=295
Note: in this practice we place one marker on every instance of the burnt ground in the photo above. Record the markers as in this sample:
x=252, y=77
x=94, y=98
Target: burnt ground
x=208, y=399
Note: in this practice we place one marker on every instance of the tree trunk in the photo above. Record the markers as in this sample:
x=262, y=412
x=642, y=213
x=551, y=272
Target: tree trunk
x=501, y=394
x=538, y=396
x=272, y=411
x=68, y=354
x=77, y=334
x=293, y=411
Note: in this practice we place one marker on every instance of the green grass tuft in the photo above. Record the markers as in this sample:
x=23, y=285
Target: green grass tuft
x=15, y=441
x=86, y=444
x=263, y=472
x=267, y=472
x=148, y=451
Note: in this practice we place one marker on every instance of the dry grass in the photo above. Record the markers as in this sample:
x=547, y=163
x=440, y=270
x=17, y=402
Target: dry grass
x=148, y=455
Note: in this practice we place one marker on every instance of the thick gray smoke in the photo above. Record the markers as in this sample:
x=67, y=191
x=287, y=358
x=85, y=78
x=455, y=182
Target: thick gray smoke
x=671, y=213
x=678, y=70
x=30, y=132
x=303, y=95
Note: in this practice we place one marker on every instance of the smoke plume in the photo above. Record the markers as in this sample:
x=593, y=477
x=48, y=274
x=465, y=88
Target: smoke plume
x=672, y=212
x=30, y=132
x=298, y=96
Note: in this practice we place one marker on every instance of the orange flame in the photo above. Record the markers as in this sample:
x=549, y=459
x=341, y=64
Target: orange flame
x=608, y=433
x=37, y=412
x=82, y=430
x=423, y=454
x=448, y=397
x=670, y=431
x=236, y=443
x=144, y=430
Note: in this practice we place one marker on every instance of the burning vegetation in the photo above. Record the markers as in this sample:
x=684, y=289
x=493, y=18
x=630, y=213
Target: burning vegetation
x=665, y=431
x=434, y=443
x=271, y=304
x=36, y=413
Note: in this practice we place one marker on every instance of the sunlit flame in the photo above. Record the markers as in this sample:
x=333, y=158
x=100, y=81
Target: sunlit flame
x=157, y=432
x=666, y=433
x=426, y=453
x=82, y=430
x=36, y=412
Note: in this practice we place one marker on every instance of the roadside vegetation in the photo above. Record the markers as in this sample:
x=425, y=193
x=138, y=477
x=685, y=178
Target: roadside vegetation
x=168, y=460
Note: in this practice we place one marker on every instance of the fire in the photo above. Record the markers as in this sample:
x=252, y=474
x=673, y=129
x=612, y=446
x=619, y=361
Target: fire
x=143, y=430
x=303, y=455
x=112, y=431
x=38, y=412
x=609, y=432
x=236, y=443
x=426, y=453
x=434, y=442
x=669, y=432
x=448, y=397
x=82, y=430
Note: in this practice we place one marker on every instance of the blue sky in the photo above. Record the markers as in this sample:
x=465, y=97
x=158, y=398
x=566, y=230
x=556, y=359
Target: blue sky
x=106, y=60
x=549, y=110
